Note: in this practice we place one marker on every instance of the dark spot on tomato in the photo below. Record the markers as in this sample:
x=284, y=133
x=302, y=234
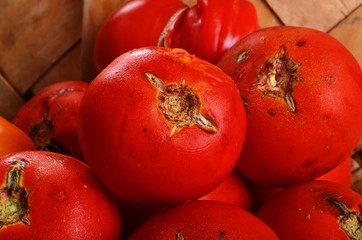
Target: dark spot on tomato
x=144, y=130
x=325, y=117
x=222, y=234
x=307, y=163
x=300, y=43
x=272, y=112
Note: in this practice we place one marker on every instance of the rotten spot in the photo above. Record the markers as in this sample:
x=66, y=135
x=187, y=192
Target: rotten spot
x=14, y=206
x=180, y=105
x=277, y=78
x=300, y=43
x=349, y=221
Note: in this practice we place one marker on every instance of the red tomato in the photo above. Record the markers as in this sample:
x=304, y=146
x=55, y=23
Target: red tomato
x=341, y=174
x=302, y=92
x=206, y=29
x=136, y=23
x=204, y=220
x=12, y=138
x=318, y=209
x=50, y=117
x=233, y=190
x=160, y=126
x=47, y=195
x=211, y=27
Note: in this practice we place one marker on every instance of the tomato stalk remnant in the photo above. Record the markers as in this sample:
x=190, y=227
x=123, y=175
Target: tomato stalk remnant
x=350, y=222
x=277, y=78
x=180, y=105
x=14, y=205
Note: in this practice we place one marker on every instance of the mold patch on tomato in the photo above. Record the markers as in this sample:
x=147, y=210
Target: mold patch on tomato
x=277, y=78
x=14, y=206
x=349, y=221
x=180, y=105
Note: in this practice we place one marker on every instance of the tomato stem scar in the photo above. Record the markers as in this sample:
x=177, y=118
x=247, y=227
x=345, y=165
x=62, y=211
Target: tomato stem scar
x=180, y=105
x=14, y=205
x=277, y=78
x=349, y=221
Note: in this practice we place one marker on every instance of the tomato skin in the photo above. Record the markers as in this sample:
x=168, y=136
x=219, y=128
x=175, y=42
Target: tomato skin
x=56, y=104
x=211, y=27
x=64, y=199
x=233, y=190
x=283, y=147
x=204, y=220
x=136, y=23
x=12, y=138
x=131, y=145
x=303, y=211
x=205, y=29
x=342, y=174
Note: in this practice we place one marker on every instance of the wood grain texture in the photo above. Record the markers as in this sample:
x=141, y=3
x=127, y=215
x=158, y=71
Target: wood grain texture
x=10, y=100
x=349, y=33
x=322, y=14
x=34, y=34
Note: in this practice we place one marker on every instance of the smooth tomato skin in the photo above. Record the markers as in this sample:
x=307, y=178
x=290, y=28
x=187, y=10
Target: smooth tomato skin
x=342, y=174
x=12, y=138
x=66, y=199
x=211, y=27
x=134, y=24
x=284, y=147
x=204, y=220
x=233, y=190
x=302, y=211
x=129, y=143
x=57, y=104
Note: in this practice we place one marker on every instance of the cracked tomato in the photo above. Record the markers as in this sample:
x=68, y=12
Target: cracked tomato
x=318, y=209
x=50, y=117
x=302, y=91
x=46, y=195
x=161, y=126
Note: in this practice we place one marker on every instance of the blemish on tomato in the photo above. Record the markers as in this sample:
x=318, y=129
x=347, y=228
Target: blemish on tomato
x=272, y=112
x=243, y=55
x=180, y=105
x=300, y=43
x=277, y=78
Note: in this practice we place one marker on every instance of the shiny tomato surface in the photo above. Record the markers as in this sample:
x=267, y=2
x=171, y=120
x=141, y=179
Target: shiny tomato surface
x=318, y=209
x=161, y=126
x=46, y=195
x=204, y=220
x=302, y=91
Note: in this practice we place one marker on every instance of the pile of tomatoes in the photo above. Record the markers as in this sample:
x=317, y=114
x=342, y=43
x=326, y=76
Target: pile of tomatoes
x=199, y=125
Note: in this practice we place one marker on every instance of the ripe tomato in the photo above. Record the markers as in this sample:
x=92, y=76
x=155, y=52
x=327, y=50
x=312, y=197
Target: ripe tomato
x=302, y=92
x=233, y=190
x=136, y=23
x=50, y=117
x=318, y=209
x=211, y=27
x=160, y=126
x=204, y=220
x=206, y=29
x=47, y=195
x=341, y=174
x=12, y=138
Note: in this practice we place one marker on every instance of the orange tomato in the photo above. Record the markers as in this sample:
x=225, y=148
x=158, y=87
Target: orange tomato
x=12, y=138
